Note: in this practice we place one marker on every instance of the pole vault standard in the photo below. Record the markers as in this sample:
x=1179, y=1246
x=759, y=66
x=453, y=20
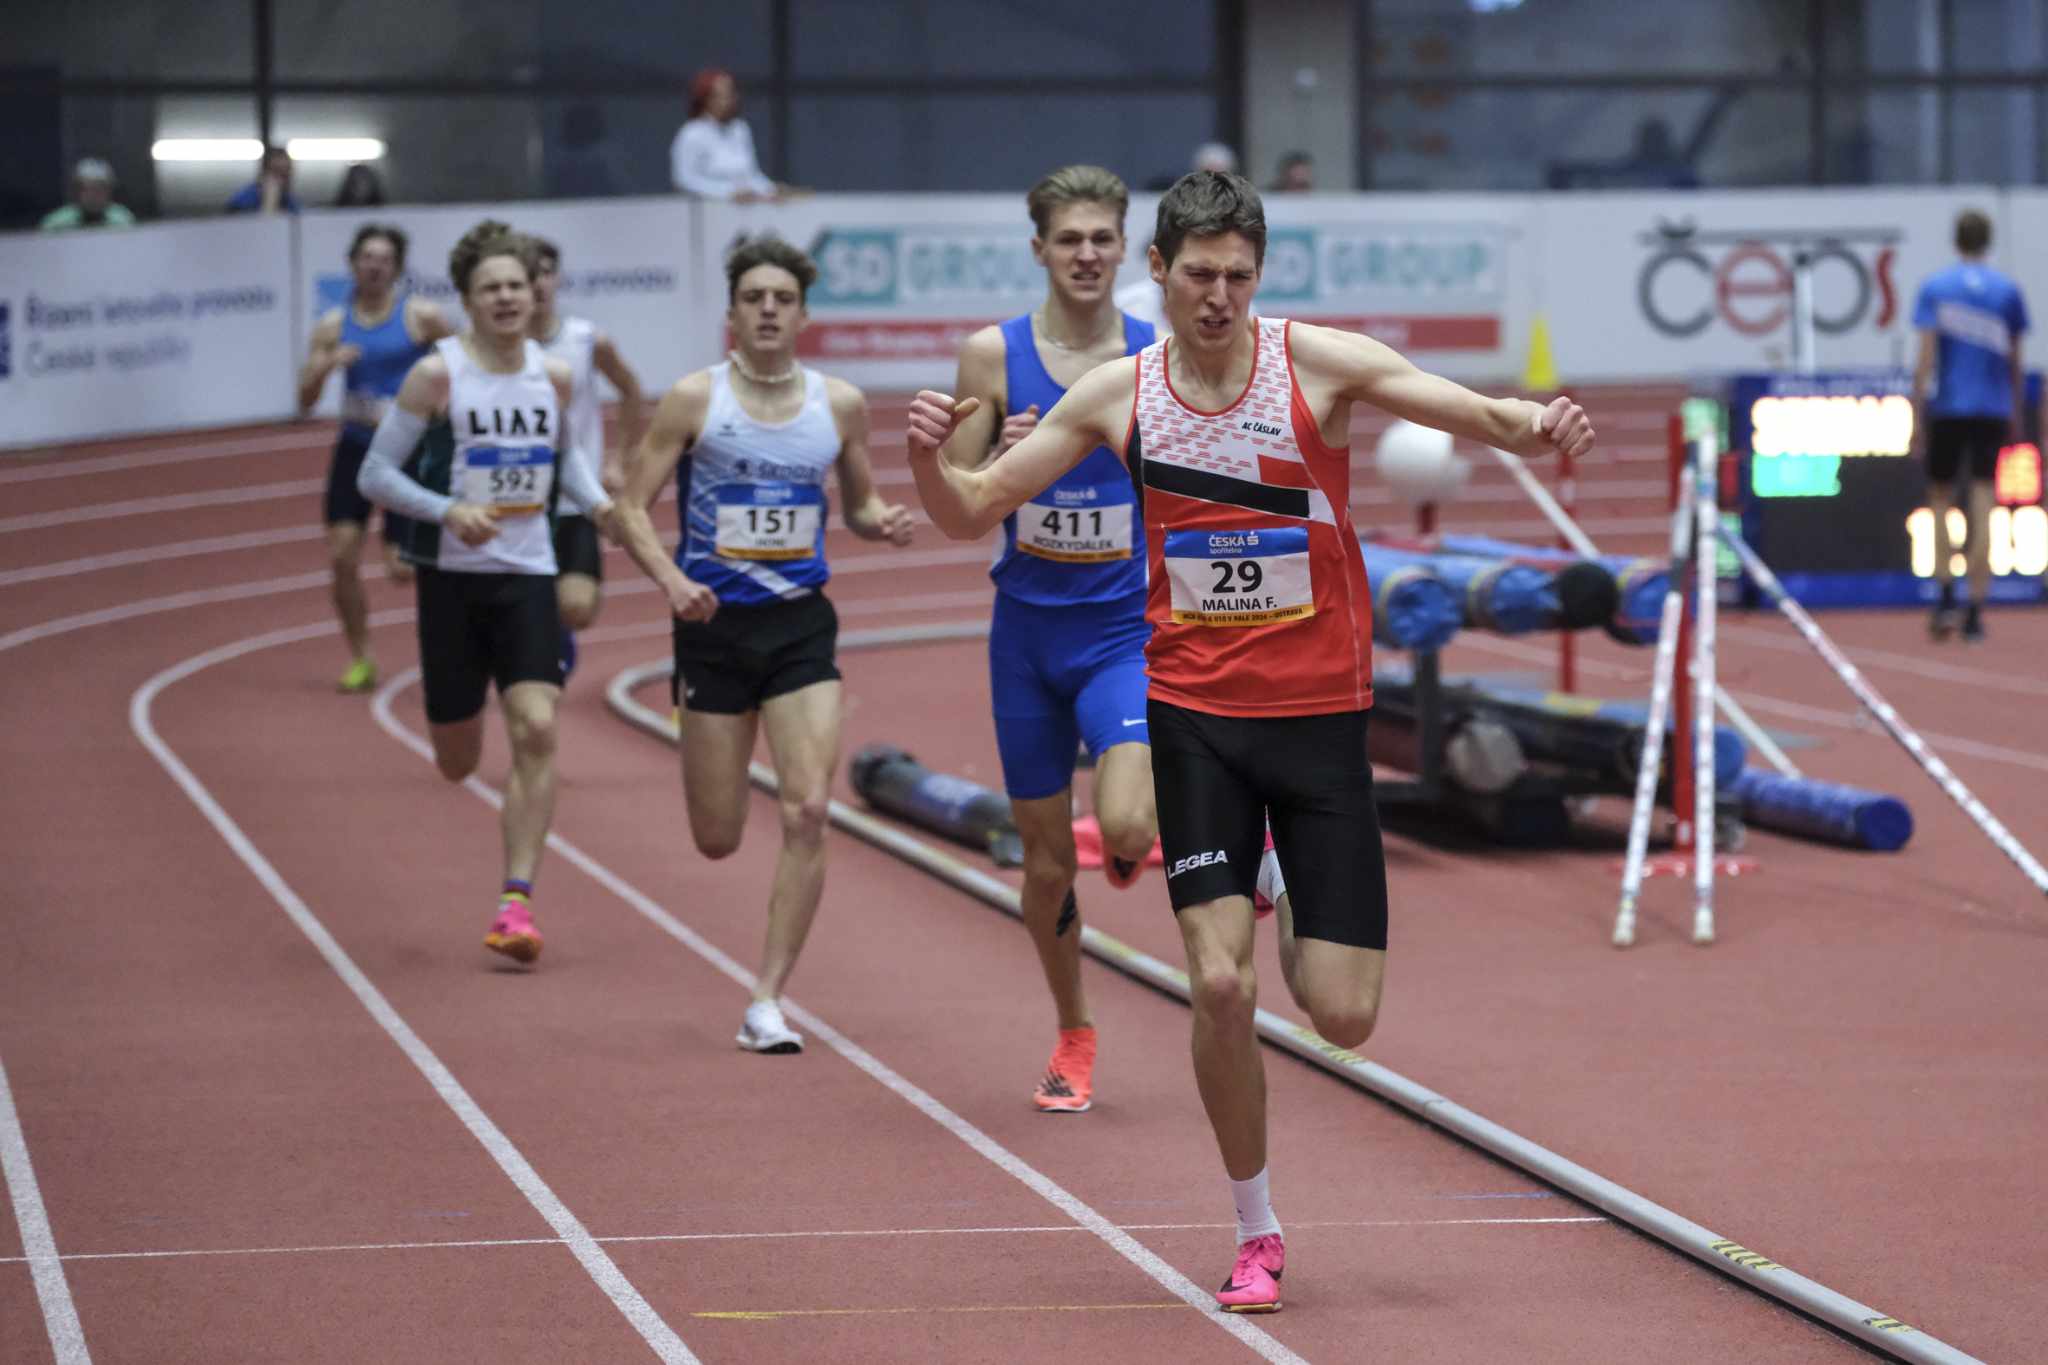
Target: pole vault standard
x=1853, y=679
x=1752, y=1269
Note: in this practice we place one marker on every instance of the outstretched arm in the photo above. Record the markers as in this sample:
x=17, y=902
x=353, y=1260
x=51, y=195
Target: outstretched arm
x=867, y=515
x=632, y=409
x=966, y=503
x=675, y=426
x=1357, y=367
x=383, y=479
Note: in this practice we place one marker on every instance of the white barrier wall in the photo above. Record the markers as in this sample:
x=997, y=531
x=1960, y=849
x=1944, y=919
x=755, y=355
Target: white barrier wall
x=151, y=329
x=630, y=265
x=200, y=324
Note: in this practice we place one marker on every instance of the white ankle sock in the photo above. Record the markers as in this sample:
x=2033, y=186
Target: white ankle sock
x=1254, y=1208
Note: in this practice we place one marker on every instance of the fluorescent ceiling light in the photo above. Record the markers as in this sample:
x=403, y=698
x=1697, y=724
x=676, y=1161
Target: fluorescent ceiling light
x=205, y=149
x=335, y=148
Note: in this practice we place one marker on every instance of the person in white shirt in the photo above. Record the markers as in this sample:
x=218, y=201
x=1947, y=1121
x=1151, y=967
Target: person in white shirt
x=713, y=154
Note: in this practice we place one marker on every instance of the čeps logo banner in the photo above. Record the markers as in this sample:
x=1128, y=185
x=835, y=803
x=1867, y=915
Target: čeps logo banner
x=1675, y=285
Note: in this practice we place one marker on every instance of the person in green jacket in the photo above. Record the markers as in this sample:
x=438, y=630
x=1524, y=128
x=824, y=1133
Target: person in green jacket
x=92, y=191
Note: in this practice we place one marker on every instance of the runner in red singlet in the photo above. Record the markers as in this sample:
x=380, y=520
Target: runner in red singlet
x=1236, y=432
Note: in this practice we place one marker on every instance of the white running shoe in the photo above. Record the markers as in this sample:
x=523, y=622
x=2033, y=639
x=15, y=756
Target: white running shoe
x=764, y=1030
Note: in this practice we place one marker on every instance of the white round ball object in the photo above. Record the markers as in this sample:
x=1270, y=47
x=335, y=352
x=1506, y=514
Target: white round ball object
x=1419, y=465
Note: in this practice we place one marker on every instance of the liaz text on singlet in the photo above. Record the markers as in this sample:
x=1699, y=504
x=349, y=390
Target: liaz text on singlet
x=510, y=422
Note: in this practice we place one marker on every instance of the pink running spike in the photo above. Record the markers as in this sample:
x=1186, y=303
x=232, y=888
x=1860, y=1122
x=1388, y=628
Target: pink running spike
x=1254, y=1283
x=513, y=932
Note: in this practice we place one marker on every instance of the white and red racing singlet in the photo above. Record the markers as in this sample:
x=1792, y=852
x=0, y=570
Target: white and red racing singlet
x=1257, y=593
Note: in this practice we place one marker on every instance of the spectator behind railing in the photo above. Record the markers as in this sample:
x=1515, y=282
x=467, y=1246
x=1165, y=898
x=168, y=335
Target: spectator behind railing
x=271, y=190
x=1296, y=174
x=713, y=154
x=92, y=201
x=361, y=188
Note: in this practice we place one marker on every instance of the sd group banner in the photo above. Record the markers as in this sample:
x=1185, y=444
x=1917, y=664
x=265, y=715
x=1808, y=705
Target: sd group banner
x=629, y=265
x=150, y=329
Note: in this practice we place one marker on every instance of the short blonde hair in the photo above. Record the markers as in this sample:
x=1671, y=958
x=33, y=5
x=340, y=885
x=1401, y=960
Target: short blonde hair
x=1076, y=185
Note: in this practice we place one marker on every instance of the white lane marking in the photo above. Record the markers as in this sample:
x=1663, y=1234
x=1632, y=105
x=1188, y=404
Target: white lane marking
x=490, y=1243
x=1841, y=720
x=114, y=464
x=151, y=606
x=656, y=1333
x=998, y=1155
x=169, y=502
x=184, y=549
x=1870, y=657
x=60, y=1315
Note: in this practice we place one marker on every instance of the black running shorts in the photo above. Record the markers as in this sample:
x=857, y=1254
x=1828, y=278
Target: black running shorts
x=1220, y=779
x=1964, y=444
x=343, y=502
x=480, y=628
x=576, y=546
x=746, y=655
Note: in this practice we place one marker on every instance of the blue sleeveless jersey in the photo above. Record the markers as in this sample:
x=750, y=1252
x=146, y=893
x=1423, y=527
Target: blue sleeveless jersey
x=1079, y=540
x=388, y=351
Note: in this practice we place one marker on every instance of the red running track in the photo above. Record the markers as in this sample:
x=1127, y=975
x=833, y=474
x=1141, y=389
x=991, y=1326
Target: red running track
x=237, y=1161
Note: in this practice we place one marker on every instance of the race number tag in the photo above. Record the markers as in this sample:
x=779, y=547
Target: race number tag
x=1076, y=525
x=1240, y=578
x=513, y=481
x=769, y=520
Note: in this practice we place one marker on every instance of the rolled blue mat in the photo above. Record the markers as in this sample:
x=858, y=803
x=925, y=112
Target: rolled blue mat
x=1494, y=594
x=1413, y=608
x=1641, y=583
x=1823, y=810
x=1582, y=716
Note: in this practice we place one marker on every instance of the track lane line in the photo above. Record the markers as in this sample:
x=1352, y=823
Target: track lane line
x=46, y=1268
x=659, y=1336
x=1257, y=1339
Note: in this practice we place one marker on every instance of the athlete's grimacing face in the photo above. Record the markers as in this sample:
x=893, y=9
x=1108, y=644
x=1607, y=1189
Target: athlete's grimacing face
x=767, y=311
x=1081, y=250
x=500, y=297
x=1207, y=292
x=374, y=266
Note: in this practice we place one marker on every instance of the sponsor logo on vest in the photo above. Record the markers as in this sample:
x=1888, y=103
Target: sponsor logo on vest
x=512, y=423
x=1262, y=428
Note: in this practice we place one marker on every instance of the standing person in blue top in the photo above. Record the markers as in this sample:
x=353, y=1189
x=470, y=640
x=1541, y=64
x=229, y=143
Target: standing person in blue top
x=1969, y=387
x=1066, y=646
x=756, y=438
x=374, y=338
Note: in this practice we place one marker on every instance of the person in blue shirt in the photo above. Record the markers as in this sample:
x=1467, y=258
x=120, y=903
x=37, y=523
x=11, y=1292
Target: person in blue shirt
x=1067, y=639
x=1968, y=388
x=271, y=190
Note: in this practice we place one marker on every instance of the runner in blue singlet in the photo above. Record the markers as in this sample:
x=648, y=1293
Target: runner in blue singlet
x=1067, y=643
x=375, y=336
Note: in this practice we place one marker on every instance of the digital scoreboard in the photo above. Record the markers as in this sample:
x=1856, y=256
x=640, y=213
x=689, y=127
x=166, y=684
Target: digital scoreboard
x=1834, y=491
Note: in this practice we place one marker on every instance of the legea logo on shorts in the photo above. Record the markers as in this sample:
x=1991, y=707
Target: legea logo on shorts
x=1195, y=860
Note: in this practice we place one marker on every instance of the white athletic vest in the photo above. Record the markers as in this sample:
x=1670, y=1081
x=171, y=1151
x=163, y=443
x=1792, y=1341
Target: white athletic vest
x=754, y=497
x=572, y=344
x=506, y=429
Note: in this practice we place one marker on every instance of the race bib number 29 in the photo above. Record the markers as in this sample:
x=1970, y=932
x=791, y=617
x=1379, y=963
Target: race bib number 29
x=769, y=520
x=1240, y=578
x=513, y=481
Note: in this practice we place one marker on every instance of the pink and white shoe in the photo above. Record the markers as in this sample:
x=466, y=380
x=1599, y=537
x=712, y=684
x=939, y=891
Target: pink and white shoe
x=1269, y=887
x=1254, y=1283
x=513, y=932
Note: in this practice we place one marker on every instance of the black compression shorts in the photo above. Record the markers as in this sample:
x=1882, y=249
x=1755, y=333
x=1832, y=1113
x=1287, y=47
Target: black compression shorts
x=1220, y=779
x=745, y=655
x=480, y=628
x=343, y=502
x=576, y=546
x=1964, y=444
